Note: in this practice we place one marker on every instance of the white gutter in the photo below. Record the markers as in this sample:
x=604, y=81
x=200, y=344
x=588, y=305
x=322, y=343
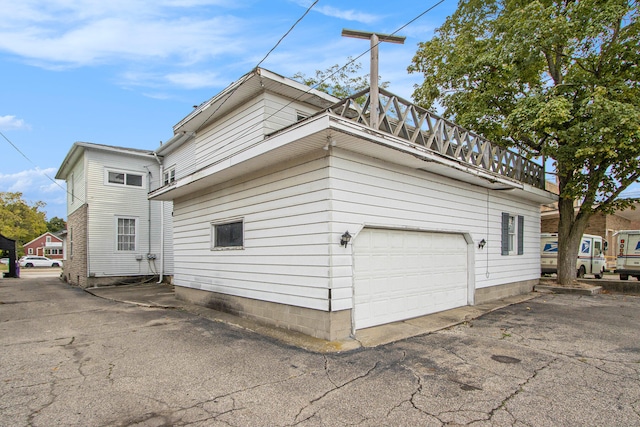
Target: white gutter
x=161, y=272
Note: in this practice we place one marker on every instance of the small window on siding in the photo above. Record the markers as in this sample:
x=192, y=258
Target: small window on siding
x=169, y=176
x=126, y=234
x=227, y=235
x=512, y=234
x=124, y=178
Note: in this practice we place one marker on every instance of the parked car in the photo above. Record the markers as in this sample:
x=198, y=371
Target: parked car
x=4, y=261
x=39, y=261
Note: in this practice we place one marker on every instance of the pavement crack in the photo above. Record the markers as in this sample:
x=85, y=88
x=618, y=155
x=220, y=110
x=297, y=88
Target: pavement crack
x=326, y=371
x=325, y=394
x=517, y=391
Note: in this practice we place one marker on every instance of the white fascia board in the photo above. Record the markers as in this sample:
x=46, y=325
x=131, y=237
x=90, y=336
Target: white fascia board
x=314, y=125
x=175, y=141
x=281, y=139
x=348, y=126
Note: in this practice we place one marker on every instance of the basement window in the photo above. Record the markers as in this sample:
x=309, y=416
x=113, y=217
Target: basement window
x=227, y=235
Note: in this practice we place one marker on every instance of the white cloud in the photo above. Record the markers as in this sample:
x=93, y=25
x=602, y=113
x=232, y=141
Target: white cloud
x=32, y=181
x=35, y=186
x=12, y=123
x=116, y=38
x=348, y=15
x=334, y=12
x=59, y=33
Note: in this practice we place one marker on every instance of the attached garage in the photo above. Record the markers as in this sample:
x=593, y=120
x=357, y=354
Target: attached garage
x=400, y=274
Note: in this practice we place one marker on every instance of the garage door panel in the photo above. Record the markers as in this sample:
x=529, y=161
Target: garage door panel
x=403, y=274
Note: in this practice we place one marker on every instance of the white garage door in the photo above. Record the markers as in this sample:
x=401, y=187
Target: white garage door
x=404, y=274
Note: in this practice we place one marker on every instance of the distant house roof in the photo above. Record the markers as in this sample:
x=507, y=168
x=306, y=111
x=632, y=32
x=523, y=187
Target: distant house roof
x=43, y=234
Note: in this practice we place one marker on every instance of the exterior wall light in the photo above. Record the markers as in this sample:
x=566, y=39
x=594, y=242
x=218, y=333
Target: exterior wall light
x=481, y=244
x=345, y=239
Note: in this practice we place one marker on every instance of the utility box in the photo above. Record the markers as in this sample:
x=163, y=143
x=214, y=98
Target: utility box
x=628, y=254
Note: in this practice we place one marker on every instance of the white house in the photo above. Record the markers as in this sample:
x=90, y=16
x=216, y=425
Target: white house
x=290, y=208
x=114, y=233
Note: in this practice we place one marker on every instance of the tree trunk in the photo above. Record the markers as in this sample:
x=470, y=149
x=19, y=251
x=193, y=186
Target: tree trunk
x=570, y=230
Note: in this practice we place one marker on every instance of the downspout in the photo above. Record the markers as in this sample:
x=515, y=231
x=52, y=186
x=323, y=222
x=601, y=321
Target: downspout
x=161, y=272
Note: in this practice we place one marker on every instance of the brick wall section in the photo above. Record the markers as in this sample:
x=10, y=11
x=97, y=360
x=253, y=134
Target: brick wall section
x=75, y=267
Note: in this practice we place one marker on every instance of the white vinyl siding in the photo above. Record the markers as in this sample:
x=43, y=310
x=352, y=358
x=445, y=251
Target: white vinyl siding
x=286, y=228
x=372, y=192
x=76, y=186
x=241, y=129
x=294, y=217
x=108, y=202
x=182, y=160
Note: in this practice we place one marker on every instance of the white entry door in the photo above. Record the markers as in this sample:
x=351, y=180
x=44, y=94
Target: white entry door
x=403, y=274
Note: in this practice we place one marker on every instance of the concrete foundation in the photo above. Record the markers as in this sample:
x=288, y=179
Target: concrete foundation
x=504, y=291
x=330, y=326
x=325, y=325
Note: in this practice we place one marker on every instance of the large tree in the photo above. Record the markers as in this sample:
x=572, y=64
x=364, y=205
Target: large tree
x=56, y=224
x=557, y=79
x=19, y=220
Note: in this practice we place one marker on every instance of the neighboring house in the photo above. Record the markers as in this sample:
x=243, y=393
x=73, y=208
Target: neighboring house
x=603, y=225
x=114, y=233
x=290, y=208
x=47, y=244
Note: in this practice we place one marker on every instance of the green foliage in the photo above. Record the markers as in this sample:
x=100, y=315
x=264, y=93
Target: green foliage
x=56, y=224
x=338, y=81
x=20, y=221
x=559, y=79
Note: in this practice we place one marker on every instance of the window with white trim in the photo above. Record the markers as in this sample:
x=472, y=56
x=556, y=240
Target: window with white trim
x=512, y=234
x=124, y=178
x=227, y=235
x=169, y=176
x=126, y=233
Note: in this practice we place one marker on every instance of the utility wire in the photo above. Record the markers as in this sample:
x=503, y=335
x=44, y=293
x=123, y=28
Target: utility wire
x=306, y=12
x=250, y=129
x=30, y=161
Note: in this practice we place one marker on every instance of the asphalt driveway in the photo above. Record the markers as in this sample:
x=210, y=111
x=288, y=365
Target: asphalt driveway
x=70, y=358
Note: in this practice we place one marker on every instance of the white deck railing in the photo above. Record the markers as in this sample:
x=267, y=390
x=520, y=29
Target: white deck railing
x=423, y=128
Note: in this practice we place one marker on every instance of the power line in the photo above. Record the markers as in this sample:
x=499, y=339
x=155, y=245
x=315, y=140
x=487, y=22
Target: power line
x=34, y=165
x=320, y=82
x=261, y=61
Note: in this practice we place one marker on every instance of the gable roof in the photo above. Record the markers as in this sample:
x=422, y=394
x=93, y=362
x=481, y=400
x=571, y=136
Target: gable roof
x=42, y=235
x=78, y=148
x=237, y=93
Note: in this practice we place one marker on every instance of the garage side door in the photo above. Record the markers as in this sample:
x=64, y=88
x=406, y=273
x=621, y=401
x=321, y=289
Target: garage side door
x=403, y=274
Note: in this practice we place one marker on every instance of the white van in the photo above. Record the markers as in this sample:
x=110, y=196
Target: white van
x=628, y=257
x=590, y=257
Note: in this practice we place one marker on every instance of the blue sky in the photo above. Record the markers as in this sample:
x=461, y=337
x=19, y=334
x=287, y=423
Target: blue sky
x=123, y=72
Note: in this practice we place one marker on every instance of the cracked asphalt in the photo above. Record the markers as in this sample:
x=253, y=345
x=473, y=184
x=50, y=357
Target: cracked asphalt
x=69, y=358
